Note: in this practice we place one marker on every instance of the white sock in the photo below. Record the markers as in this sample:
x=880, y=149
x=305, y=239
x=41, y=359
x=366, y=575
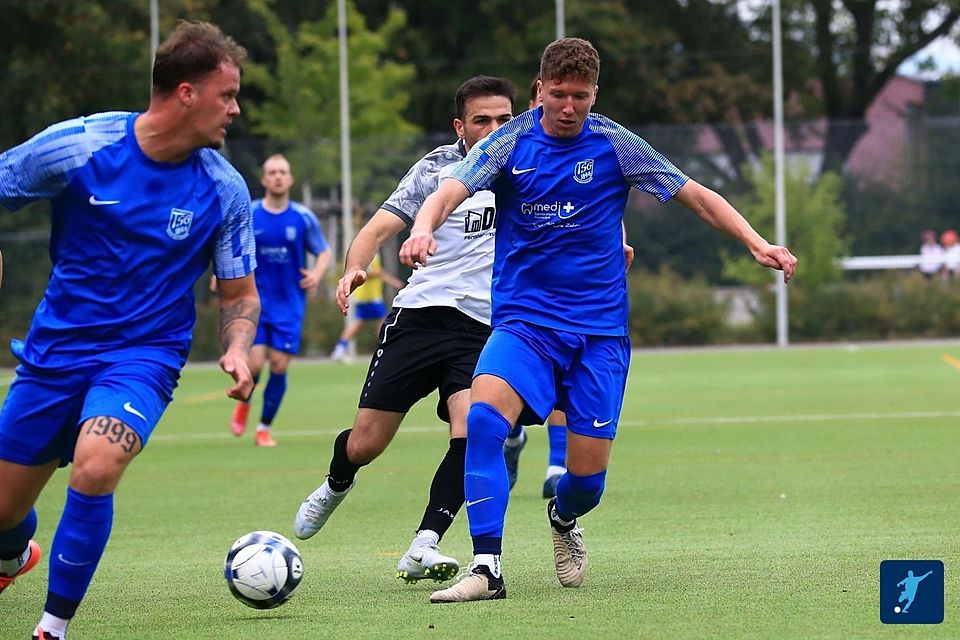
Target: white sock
x=53, y=625
x=263, y=427
x=555, y=470
x=490, y=561
x=11, y=566
x=426, y=536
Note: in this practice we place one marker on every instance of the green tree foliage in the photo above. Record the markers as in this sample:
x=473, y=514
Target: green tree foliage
x=815, y=222
x=301, y=105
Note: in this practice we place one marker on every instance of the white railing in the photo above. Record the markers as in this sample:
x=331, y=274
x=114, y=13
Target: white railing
x=862, y=263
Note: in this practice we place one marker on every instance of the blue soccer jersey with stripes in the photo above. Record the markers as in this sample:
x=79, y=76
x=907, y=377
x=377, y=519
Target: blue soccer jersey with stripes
x=559, y=258
x=129, y=238
x=283, y=240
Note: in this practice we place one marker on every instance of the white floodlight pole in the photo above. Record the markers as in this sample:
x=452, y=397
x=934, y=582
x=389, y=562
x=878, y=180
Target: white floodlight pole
x=783, y=337
x=561, y=26
x=346, y=181
x=154, y=34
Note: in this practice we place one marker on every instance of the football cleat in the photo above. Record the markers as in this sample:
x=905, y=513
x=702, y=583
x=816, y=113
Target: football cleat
x=238, y=423
x=425, y=562
x=264, y=439
x=316, y=509
x=569, y=550
x=477, y=583
x=511, y=455
x=550, y=485
x=40, y=634
x=31, y=562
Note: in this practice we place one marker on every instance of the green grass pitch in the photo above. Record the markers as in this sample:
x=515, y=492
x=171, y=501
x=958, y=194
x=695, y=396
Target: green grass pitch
x=751, y=494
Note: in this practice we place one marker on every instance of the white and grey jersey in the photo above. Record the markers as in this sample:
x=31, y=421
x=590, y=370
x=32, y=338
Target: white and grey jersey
x=459, y=274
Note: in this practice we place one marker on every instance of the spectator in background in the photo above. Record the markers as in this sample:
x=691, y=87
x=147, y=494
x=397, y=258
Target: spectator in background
x=951, y=254
x=931, y=255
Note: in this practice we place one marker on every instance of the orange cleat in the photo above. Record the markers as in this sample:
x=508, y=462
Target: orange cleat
x=238, y=424
x=6, y=581
x=264, y=439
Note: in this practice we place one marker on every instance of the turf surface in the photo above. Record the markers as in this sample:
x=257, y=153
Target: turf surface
x=751, y=494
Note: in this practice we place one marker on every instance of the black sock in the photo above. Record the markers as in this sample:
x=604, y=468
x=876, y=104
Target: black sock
x=342, y=471
x=446, y=491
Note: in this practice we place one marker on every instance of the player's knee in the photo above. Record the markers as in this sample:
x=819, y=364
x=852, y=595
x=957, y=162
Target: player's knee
x=94, y=476
x=486, y=426
x=577, y=495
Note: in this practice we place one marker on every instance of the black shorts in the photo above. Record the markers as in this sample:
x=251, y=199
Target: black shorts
x=421, y=350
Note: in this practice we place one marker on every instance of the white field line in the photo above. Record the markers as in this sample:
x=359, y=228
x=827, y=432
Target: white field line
x=715, y=420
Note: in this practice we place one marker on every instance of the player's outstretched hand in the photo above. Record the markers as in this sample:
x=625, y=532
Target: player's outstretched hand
x=350, y=281
x=417, y=249
x=777, y=257
x=234, y=362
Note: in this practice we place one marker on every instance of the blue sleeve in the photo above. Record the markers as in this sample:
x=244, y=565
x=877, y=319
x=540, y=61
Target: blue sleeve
x=42, y=166
x=235, y=251
x=487, y=158
x=316, y=243
x=643, y=167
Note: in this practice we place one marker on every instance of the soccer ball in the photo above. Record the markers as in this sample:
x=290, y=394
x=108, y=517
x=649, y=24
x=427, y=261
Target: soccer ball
x=263, y=569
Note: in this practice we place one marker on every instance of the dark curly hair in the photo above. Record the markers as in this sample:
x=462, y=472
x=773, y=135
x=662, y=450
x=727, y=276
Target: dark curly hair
x=570, y=58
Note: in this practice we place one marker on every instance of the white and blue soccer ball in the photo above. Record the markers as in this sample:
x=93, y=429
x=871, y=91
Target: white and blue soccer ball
x=263, y=569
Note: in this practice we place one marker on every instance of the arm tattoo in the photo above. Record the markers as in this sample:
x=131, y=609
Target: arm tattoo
x=238, y=323
x=115, y=431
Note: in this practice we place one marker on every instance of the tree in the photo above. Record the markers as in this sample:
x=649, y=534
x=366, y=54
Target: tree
x=300, y=107
x=814, y=226
x=856, y=47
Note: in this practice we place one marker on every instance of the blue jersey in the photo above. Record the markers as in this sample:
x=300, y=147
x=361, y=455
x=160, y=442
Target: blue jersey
x=559, y=259
x=129, y=238
x=283, y=240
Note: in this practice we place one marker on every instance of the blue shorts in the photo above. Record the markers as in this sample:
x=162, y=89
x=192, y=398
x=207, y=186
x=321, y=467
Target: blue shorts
x=583, y=375
x=370, y=310
x=42, y=413
x=279, y=337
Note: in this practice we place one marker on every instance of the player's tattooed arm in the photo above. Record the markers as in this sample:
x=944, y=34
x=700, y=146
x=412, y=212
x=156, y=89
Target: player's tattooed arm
x=239, y=315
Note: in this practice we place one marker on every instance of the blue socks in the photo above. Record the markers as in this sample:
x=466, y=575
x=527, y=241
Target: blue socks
x=77, y=547
x=515, y=431
x=486, y=487
x=272, y=395
x=577, y=495
x=13, y=542
x=557, y=433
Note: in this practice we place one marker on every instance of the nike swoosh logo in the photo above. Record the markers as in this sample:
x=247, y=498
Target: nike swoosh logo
x=72, y=564
x=517, y=172
x=99, y=203
x=597, y=424
x=129, y=409
x=568, y=216
x=470, y=504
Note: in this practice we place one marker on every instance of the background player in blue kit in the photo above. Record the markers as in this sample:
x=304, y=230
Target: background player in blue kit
x=140, y=206
x=561, y=176
x=286, y=231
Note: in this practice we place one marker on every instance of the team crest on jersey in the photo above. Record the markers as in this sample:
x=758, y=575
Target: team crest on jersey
x=180, y=221
x=583, y=172
x=291, y=233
